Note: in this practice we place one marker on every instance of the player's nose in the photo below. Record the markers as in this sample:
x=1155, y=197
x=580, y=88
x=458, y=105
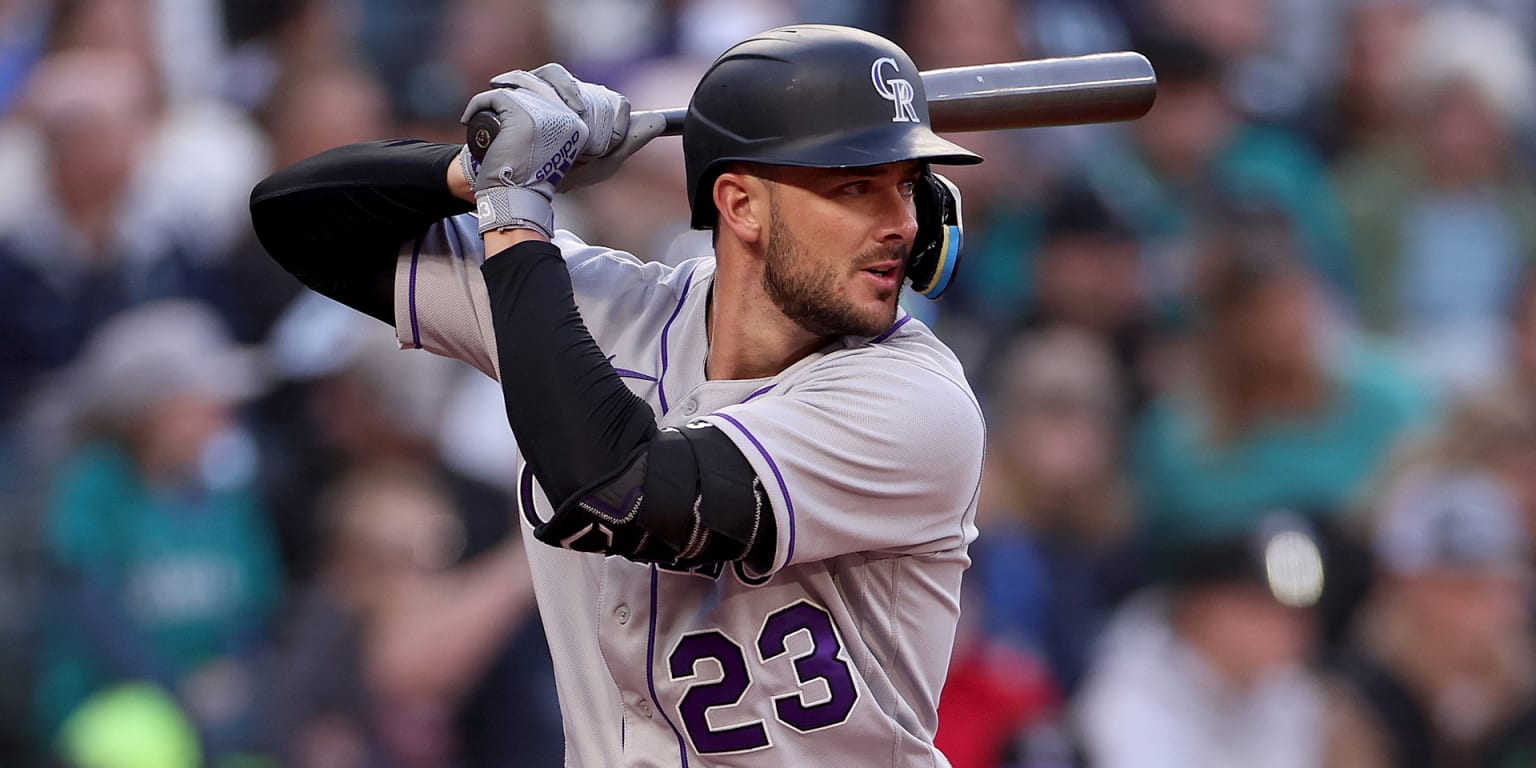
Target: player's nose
x=898, y=222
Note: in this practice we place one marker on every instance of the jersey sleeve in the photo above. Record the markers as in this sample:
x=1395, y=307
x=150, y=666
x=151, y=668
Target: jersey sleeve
x=441, y=303
x=870, y=454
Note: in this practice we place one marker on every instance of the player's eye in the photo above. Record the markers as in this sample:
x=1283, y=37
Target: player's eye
x=909, y=188
x=855, y=187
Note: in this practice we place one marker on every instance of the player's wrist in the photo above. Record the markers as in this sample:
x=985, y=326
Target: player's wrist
x=497, y=241
x=502, y=208
x=460, y=176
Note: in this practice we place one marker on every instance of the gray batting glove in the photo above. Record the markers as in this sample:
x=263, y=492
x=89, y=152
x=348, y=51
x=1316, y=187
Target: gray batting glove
x=538, y=143
x=606, y=112
x=643, y=127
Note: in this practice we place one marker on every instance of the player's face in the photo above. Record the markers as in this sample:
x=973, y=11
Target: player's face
x=837, y=246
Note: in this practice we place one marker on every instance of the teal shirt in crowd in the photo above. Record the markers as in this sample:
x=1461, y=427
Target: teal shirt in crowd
x=187, y=575
x=1191, y=488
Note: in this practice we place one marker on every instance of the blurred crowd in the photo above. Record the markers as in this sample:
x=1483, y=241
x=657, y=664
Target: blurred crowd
x=1259, y=371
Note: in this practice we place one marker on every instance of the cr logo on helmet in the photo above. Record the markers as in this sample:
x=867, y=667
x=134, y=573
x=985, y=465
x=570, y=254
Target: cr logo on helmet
x=898, y=90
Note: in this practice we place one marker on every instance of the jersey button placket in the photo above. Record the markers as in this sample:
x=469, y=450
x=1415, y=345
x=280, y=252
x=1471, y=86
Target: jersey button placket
x=690, y=406
x=645, y=708
x=621, y=614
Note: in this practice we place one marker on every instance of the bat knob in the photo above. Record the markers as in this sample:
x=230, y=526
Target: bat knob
x=480, y=131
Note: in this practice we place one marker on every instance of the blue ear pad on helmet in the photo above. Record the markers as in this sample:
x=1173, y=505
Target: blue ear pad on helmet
x=935, y=255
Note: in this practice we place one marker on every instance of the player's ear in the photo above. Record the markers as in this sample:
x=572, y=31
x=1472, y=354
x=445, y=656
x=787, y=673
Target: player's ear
x=741, y=203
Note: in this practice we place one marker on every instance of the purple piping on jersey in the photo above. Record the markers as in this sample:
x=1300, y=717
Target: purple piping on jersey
x=762, y=391
x=891, y=330
x=777, y=475
x=525, y=492
x=628, y=374
x=415, y=329
x=650, y=671
x=661, y=384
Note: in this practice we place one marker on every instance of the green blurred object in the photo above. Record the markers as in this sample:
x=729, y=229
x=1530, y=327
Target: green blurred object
x=245, y=760
x=130, y=726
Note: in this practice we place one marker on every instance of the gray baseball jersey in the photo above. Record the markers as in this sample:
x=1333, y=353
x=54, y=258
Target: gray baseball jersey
x=871, y=452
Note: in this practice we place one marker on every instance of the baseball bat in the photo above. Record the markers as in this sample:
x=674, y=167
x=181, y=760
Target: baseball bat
x=1072, y=90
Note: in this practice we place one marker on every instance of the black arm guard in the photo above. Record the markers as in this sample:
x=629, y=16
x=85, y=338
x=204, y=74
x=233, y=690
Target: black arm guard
x=619, y=485
x=687, y=498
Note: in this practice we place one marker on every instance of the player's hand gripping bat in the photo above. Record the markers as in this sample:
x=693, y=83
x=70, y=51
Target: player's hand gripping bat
x=1097, y=88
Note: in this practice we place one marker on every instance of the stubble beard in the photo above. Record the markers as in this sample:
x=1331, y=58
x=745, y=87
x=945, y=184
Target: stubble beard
x=808, y=295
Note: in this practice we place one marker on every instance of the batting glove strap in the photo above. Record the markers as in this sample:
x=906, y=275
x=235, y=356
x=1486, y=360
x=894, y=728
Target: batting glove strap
x=468, y=165
x=500, y=208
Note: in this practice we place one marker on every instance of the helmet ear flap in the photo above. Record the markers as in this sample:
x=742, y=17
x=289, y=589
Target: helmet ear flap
x=935, y=255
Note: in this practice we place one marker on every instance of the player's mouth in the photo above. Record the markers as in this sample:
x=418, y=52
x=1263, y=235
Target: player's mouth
x=885, y=274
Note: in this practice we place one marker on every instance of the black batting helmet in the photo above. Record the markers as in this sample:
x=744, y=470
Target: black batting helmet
x=812, y=95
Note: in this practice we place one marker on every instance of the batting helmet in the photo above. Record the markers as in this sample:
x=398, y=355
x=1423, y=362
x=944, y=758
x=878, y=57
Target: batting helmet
x=811, y=95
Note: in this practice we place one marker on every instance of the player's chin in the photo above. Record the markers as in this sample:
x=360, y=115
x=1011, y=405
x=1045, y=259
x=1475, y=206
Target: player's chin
x=876, y=315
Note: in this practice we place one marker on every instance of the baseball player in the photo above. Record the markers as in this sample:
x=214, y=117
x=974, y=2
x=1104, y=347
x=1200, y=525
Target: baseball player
x=748, y=483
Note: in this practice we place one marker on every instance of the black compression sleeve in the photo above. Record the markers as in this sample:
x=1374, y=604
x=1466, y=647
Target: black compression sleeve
x=336, y=221
x=574, y=418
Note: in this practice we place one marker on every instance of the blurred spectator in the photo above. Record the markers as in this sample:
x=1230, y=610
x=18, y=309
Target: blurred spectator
x=1084, y=274
x=1087, y=270
x=381, y=27
x=353, y=405
x=387, y=644
x=1054, y=505
x=1363, y=108
x=311, y=111
x=1496, y=431
x=1227, y=28
x=963, y=32
x=94, y=218
x=23, y=37
x=999, y=706
x=1192, y=151
x=64, y=268
x=1209, y=671
x=1444, y=673
x=1441, y=212
x=202, y=156
x=434, y=56
x=1074, y=27
x=318, y=108
x=166, y=573
x=1269, y=47
x=281, y=39
x=182, y=37
x=1522, y=321
x=1271, y=416
x=349, y=401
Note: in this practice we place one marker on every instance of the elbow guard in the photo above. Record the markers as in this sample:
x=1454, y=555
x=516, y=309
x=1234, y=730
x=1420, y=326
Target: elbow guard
x=685, y=498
